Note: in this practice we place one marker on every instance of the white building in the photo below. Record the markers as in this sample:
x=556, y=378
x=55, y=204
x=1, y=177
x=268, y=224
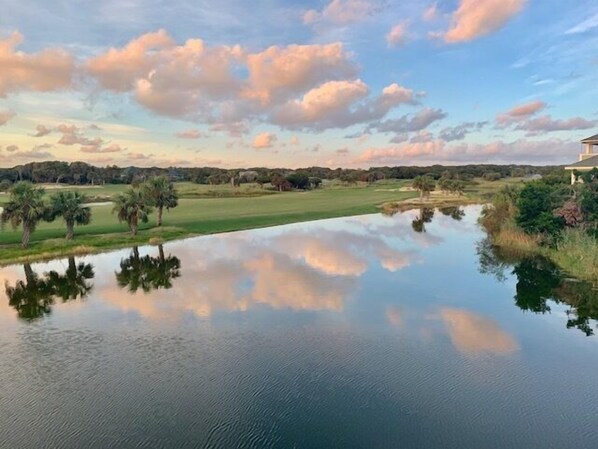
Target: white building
x=587, y=160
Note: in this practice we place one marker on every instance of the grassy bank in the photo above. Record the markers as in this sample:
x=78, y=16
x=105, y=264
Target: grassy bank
x=201, y=216
x=213, y=209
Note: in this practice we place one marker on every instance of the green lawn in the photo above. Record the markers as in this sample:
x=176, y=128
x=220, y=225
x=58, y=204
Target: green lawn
x=204, y=216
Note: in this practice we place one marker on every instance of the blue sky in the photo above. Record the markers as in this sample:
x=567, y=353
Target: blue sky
x=350, y=83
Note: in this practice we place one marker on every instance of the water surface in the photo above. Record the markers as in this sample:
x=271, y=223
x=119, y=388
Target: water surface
x=363, y=332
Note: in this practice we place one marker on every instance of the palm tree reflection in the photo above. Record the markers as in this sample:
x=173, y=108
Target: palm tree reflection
x=33, y=297
x=426, y=215
x=148, y=273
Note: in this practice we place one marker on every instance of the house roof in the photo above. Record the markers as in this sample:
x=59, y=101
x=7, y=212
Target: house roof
x=592, y=139
x=586, y=163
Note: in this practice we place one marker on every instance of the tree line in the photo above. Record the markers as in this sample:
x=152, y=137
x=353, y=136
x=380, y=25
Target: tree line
x=81, y=173
x=27, y=206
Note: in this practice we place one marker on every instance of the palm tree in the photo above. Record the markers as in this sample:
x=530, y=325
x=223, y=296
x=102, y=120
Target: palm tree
x=132, y=207
x=25, y=207
x=424, y=184
x=69, y=205
x=161, y=193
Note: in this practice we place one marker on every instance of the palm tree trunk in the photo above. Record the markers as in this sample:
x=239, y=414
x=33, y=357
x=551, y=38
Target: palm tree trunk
x=161, y=250
x=70, y=230
x=133, y=224
x=160, y=211
x=26, y=235
x=72, y=265
x=28, y=272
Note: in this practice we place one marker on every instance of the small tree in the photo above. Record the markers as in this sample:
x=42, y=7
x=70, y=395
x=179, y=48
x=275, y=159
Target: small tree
x=424, y=184
x=69, y=206
x=25, y=207
x=132, y=207
x=160, y=193
x=299, y=180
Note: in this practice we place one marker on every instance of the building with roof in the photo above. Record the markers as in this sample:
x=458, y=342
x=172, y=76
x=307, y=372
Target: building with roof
x=587, y=160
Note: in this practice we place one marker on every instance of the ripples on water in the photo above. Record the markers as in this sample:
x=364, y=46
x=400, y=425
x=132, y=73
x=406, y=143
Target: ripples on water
x=365, y=332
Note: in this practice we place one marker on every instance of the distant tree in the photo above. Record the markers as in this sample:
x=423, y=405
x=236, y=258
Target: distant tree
x=298, y=180
x=70, y=206
x=132, y=207
x=314, y=182
x=161, y=194
x=25, y=207
x=5, y=185
x=262, y=179
x=280, y=182
x=424, y=184
x=491, y=176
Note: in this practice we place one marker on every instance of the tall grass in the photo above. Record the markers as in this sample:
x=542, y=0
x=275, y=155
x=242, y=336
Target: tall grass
x=512, y=237
x=577, y=253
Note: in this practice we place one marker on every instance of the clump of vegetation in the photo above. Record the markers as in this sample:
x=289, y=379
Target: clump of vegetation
x=425, y=185
x=549, y=216
x=578, y=251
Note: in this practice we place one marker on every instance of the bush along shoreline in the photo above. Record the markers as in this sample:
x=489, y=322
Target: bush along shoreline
x=549, y=217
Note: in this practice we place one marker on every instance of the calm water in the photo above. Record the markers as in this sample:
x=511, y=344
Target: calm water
x=364, y=332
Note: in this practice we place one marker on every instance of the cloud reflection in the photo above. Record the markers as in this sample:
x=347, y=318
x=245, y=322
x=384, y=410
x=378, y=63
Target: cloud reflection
x=474, y=334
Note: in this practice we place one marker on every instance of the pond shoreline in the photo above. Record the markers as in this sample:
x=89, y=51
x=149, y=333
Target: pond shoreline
x=101, y=243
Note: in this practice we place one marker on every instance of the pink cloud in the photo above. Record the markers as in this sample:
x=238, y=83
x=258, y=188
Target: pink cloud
x=397, y=35
x=71, y=136
x=438, y=151
x=322, y=101
x=278, y=72
x=520, y=112
x=546, y=123
x=339, y=104
x=264, y=140
x=112, y=148
x=118, y=69
x=5, y=116
x=47, y=70
x=476, y=18
x=41, y=131
x=190, y=134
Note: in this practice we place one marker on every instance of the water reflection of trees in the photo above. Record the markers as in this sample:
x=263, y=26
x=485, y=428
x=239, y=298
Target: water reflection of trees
x=425, y=215
x=455, y=212
x=33, y=296
x=148, y=273
x=540, y=282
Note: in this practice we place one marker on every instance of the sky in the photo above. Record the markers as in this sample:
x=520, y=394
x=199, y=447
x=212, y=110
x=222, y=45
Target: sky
x=336, y=83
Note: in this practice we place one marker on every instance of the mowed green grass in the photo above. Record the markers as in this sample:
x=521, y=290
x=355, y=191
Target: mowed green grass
x=206, y=216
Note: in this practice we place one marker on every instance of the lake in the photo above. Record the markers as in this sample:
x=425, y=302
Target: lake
x=404, y=331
